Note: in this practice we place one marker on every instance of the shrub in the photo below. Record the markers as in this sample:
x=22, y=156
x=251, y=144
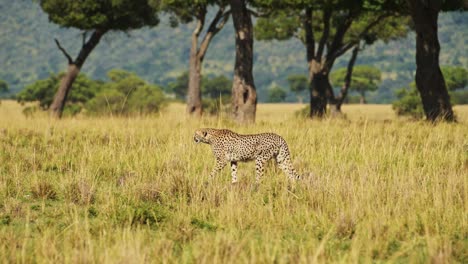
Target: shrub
x=146, y=99
x=126, y=94
x=106, y=102
x=44, y=90
x=216, y=106
x=408, y=103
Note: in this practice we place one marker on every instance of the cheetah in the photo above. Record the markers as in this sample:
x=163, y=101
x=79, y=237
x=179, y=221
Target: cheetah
x=229, y=146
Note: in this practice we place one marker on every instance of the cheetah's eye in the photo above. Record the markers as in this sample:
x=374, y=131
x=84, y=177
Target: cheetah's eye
x=204, y=133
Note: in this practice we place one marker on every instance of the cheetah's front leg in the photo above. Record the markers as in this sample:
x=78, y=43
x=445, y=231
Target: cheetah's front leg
x=218, y=167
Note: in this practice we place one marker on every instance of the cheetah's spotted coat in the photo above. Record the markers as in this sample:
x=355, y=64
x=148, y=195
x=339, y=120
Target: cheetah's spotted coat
x=229, y=146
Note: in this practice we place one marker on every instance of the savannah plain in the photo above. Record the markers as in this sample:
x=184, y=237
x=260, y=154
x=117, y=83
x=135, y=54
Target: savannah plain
x=375, y=188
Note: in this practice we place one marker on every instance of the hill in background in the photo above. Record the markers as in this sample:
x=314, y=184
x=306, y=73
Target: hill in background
x=159, y=55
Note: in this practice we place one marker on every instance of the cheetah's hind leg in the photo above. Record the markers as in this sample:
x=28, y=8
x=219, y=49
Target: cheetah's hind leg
x=259, y=169
x=234, y=172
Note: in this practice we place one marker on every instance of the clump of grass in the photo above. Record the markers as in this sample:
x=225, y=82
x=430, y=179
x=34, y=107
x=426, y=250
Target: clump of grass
x=80, y=192
x=43, y=190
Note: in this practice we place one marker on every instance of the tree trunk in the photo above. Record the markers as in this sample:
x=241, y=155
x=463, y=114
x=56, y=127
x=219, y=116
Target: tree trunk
x=429, y=79
x=347, y=82
x=194, y=105
x=57, y=106
x=244, y=95
x=318, y=89
x=74, y=67
x=362, y=98
x=197, y=54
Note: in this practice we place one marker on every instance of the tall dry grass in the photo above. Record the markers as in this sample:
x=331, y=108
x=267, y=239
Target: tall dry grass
x=132, y=190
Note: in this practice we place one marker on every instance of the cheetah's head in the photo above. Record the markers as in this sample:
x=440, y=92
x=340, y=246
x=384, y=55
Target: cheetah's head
x=203, y=135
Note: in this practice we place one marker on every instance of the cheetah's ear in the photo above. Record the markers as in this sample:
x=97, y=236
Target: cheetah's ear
x=204, y=133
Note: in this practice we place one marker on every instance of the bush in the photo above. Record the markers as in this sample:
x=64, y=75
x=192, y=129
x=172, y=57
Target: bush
x=459, y=97
x=124, y=94
x=146, y=99
x=276, y=95
x=216, y=106
x=106, y=102
x=303, y=113
x=44, y=90
x=408, y=103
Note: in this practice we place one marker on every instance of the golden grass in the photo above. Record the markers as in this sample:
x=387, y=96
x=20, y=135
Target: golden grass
x=131, y=190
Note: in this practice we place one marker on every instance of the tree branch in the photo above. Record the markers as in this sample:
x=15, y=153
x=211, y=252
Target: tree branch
x=257, y=14
x=216, y=25
x=326, y=32
x=347, y=80
x=70, y=60
x=84, y=38
x=200, y=15
x=374, y=23
x=339, y=35
x=309, y=34
x=344, y=48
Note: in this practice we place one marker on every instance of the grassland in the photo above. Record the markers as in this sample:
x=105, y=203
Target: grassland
x=132, y=190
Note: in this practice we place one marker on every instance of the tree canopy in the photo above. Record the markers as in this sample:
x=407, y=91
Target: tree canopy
x=365, y=78
x=455, y=77
x=276, y=95
x=105, y=14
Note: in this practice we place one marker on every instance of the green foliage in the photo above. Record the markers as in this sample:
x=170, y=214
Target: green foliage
x=459, y=97
x=276, y=95
x=28, y=53
x=298, y=83
x=107, y=102
x=43, y=91
x=455, y=77
x=303, y=112
x=3, y=87
x=179, y=86
x=217, y=87
x=214, y=106
x=364, y=79
x=216, y=94
x=213, y=87
x=104, y=14
x=125, y=94
x=280, y=26
x=408, y=103
x=146, y=99
x=181, y=11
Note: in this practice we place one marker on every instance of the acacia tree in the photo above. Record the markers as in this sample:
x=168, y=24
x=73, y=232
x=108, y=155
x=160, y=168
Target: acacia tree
x=344, y=25
x=429, y=78
x=188, y=11
x=96, y=18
